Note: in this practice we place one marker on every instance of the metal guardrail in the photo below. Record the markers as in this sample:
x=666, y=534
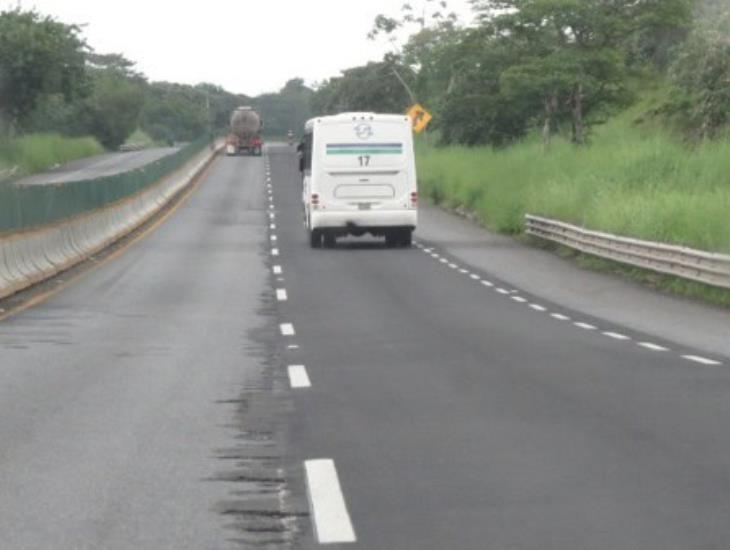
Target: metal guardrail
x=697, y=265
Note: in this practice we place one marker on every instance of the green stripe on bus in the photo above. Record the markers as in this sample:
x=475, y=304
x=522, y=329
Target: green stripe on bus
x=363, y=152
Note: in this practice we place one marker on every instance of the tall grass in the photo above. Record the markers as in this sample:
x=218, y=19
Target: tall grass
x=37, y=152
x=629, y=182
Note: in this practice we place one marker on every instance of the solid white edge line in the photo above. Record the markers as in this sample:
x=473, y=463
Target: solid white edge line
x=330, y=517
x=298, y=377
x=287, y=329
x=281, y=295
x=702, y=360
x=616, y=335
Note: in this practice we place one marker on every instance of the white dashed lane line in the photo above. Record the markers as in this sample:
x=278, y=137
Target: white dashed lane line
x=330, y=517
x=287, y=329
x=298, y=377
x=616, y=336
x=514, y=295
x=277, y=270
x=652, y=347
x=281, y=295
x=560, y=317
x=274, y=251
x=702, y=360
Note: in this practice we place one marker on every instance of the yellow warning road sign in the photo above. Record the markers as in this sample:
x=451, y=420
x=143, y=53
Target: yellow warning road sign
x=420, y=118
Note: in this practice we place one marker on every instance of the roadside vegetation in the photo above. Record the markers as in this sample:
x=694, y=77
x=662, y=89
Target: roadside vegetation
x=628, y=181
x=60, y=97
x=36, y=152
x=611, y=115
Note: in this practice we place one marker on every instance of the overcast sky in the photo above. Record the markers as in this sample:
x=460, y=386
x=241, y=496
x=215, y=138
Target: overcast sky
x=246, y=46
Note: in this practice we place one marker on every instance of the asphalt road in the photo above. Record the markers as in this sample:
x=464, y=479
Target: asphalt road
x=222, y=385
x=98, y=166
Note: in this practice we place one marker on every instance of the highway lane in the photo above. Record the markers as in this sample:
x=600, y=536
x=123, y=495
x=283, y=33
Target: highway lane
x=460, y=412
x=98, y=166
x=434, y=404
x=129, y=406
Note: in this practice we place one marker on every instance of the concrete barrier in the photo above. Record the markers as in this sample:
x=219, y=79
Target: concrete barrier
x=31, y=256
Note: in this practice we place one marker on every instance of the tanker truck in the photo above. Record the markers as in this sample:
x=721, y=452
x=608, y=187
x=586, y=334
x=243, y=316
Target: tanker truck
x=244, y=137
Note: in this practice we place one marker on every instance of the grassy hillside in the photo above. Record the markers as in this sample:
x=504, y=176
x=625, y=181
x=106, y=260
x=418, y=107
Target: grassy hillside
x=37, y=152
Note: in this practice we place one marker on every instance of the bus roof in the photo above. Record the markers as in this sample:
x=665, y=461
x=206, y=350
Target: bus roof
x=355, y=117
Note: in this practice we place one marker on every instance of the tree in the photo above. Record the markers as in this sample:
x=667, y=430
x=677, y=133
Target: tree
x=372, y=87
x=38, y=56
x=111, y=112
x=701, y=72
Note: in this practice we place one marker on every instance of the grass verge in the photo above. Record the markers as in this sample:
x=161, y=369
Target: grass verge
x=629, y=181
x=38, y=152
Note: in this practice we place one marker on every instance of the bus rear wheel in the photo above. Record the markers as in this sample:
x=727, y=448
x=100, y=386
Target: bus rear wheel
x=315, y=238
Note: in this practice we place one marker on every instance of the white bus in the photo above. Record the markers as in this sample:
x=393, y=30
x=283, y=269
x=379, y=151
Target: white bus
x=359, y=176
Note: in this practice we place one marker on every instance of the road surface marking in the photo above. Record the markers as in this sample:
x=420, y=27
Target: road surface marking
x=443, y=260
x=701, y=360
x=272, y=215
x=585, y=326
x=487, y=283
x=287, y=329
x=298, y=377
x=653, y=347
x=293, y=346
x=276, y=269
x=475, y=277
x=464, y=271
x=616, y=336
x=274, y=251
x=453, y=266
x=538, y=307
x=272, y=226
x=503, y=291
x=560, y=317
x=519, y=299
x=273, y=237
x=329, y=513
x=281, y=295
